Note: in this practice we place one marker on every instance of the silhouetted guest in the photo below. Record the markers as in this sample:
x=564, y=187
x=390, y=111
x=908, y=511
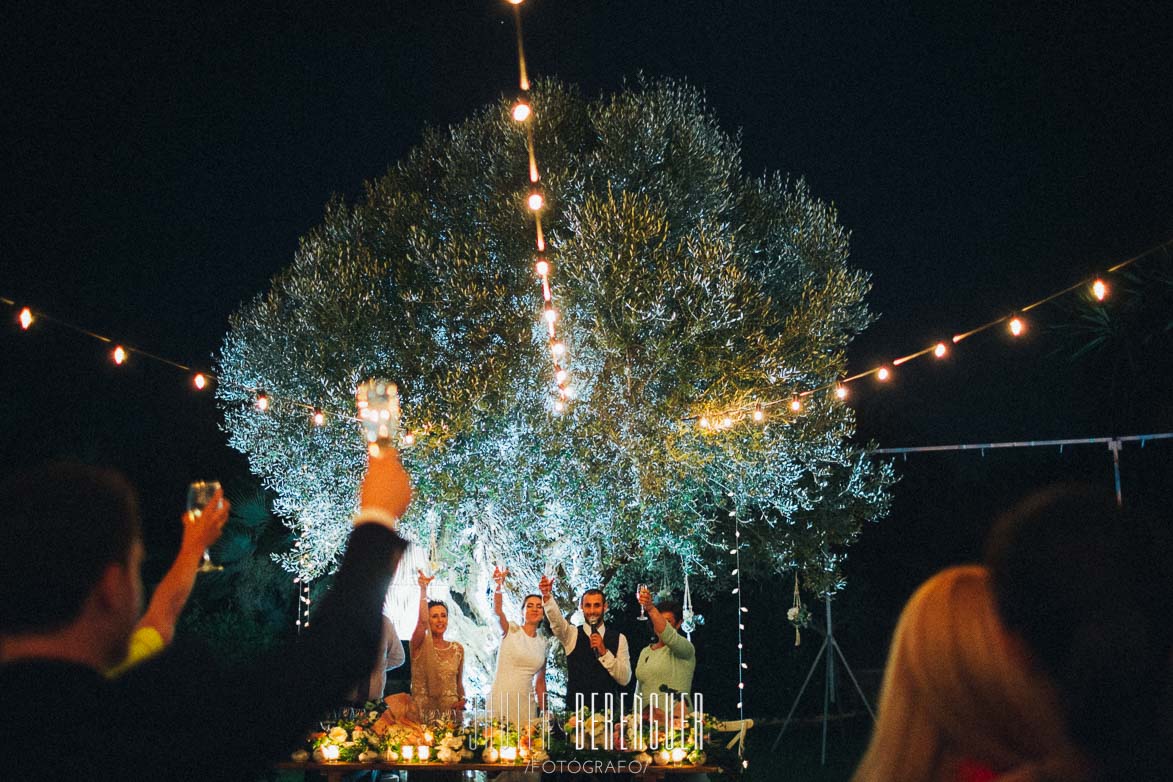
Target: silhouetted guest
x=70, y=595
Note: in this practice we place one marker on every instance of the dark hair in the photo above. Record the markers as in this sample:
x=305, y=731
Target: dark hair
x=592, y=591
x=61, y=525
x=433, y=603
x=671, y=606
x=1084, y=583
x=527, y=597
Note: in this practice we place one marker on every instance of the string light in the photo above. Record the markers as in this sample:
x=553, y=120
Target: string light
x=940, y=350
x=262, y=401
x=119, y=355
x=758, y=413
x=550, y=314
x=558, y=349
x=796, y=405
x=542, y=268
x=883, y=373
x=199, y=381
x=521, y=111
x=841, y=391
x=409, y=439
x=741, y=665
x=1016, y=326
x=535, y=201
x=26, y=318
x=319, y=417
x=1100, y=289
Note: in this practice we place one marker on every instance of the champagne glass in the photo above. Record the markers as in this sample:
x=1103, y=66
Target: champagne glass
x=643, y=614
x=199, y=494
x=378, y=408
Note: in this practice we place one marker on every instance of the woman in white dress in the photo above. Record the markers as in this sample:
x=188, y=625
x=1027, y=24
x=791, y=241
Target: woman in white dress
x=520, y=683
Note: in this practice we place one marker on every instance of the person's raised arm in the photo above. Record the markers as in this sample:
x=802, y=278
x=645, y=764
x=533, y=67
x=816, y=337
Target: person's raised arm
x=499, y=577
x=619, y=664
x=421, y=625
x=658, y=620
x=565, y=632
x=200, y=531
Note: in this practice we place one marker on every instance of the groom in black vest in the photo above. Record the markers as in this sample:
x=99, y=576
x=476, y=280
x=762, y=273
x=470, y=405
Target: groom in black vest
x=597, y=659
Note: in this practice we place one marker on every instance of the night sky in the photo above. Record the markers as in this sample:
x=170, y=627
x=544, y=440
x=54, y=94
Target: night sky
x=161, y=163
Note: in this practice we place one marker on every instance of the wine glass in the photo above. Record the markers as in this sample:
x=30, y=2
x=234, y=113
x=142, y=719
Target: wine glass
x=199, y=494
x=643, y=614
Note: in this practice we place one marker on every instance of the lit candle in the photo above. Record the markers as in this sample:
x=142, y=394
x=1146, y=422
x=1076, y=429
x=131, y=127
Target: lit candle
x=490, y=754
x=407, y=751
x=663, y=757
x=508, y=754
x=678, y=755
x=330, y=752
x=423, y=752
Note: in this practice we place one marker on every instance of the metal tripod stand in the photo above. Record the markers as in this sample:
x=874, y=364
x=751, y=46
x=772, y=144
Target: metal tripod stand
x=829, y=688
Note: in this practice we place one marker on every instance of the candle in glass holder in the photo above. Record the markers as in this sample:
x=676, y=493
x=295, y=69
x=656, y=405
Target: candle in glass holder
x=330, y=752
x=423, y=752
x=508, y=754
x=491, y=754
x=407, y=751
x=678, y=755
x=663, y=757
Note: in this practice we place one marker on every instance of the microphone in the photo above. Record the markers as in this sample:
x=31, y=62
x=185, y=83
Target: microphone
x=595, y=631
x=667, y=689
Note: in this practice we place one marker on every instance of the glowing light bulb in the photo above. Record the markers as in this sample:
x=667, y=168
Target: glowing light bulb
x=559, y=406
x=516, y=2
x=26, y=318
x=119, y=355
x=1017, y=326
x=883, y=374
x=550, y=314
x=758, y=413
x=1100, y=290
x=558, y=349
x=319, y=418
x=841, y=392
x=703, y=423
x=569, y=392
x=535, y=201
x=521, y=111
x=940, y=350
x=262, y=402
x=409, y=439
x=795, y=405
x=199, y=381
x=560, y=376
x=542, y=268
x=726, y=422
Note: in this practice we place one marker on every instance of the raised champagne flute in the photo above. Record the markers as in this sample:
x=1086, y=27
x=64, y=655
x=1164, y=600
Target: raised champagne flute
x=378, y=409
x=643, y=614
x=199, y=494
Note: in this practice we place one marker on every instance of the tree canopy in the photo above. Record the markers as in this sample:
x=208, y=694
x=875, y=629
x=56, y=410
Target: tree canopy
x=685, y=289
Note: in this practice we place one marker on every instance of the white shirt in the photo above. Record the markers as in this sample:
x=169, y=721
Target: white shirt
x=618, y=665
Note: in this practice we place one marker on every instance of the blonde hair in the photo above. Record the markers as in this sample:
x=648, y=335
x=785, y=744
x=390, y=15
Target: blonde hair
x=954, y=689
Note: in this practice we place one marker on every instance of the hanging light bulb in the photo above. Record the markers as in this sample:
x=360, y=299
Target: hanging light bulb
x=560, y=376
x=883, y=374
x=199, y=381
x=26, y=318
x=1017, y=326
x=262, y=402
x=758, y=413
x=1100, y=289
x=542, y=268
x=119, y=355
x=726, y=422
x=558, y=349
x=940, y=350
x=559, y=405
x=550, y=314
x=521, y=111
x=409, y=439
x=703, y=423
x=841, y=392
x=535, y=201
x=796, y=405
x=569, y=392
x=319, y=417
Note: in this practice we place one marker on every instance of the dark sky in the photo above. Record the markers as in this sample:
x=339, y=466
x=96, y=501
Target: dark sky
x=161, y=163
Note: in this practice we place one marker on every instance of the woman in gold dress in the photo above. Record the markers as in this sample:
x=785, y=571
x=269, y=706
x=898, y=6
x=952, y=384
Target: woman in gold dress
x=437, y=665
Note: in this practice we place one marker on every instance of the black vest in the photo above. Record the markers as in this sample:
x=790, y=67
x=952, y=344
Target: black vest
x=586, y=675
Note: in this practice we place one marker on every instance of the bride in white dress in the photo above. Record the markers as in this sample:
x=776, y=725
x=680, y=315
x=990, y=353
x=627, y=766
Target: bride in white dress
x=520, y=683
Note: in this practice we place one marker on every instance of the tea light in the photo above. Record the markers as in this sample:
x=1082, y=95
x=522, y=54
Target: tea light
x=663, y=757
x=407, y=751
x=508, y=754
x=330, y=752
x=491, y=754
x=423, y=752
x=678, y=755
